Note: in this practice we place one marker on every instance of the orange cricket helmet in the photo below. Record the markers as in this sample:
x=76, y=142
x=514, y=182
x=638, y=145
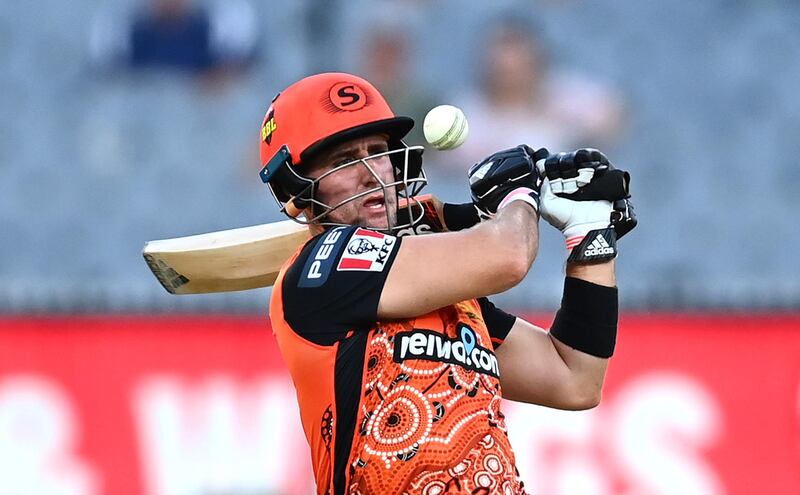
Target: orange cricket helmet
x=320, y=111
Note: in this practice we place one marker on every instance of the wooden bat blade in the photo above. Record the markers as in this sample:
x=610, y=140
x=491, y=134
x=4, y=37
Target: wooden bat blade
x=251, y=257
x=229, y=260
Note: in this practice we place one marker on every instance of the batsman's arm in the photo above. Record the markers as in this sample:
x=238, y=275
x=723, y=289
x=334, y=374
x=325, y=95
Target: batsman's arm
x=587, y=200
x=537, y=367
x=434, y=271
x=600, y=273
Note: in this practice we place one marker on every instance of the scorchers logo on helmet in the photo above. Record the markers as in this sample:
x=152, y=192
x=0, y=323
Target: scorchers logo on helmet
x=345, y=96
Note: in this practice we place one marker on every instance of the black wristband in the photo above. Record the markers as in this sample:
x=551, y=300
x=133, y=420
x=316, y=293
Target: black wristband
x=587, y=320
x=460, y=216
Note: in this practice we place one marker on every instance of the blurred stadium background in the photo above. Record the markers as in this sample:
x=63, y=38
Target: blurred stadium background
x=109, y=385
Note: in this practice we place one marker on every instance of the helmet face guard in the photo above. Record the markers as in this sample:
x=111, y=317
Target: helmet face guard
x=409, y=180
x=321, y=111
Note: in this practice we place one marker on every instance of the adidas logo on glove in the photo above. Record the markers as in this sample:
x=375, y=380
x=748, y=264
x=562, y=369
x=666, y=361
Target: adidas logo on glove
x=599, y=247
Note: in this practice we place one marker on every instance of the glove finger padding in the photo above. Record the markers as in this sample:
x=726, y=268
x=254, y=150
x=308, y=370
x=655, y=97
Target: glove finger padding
x=569, y=171
x=623, y=218
x=609, y=185
x=494, y=178
x=585, y=175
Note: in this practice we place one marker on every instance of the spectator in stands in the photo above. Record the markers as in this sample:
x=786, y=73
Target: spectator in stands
x=521, y=99
x=386, y=61
x=178, y=35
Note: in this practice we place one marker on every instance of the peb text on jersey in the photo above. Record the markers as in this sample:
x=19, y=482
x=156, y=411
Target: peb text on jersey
x=319, y=264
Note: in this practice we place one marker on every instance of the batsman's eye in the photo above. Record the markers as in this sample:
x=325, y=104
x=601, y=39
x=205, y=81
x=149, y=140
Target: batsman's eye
x=378, y=148
x=344, y=160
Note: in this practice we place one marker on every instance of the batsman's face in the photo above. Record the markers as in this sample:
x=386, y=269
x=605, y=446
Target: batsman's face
x=377, y=209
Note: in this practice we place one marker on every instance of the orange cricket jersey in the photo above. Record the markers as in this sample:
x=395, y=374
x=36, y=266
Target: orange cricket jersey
x=390, y=407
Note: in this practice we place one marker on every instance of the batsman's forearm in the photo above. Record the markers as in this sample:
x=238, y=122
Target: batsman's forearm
x=587, y=373
x=519, y=227
x=520, y=223
x=599, y=273
x=584, y=331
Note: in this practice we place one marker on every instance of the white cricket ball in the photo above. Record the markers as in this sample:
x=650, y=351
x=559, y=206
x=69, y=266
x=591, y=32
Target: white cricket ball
x=445, y=127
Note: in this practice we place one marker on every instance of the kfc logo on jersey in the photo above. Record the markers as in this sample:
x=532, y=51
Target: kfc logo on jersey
x=367, y=251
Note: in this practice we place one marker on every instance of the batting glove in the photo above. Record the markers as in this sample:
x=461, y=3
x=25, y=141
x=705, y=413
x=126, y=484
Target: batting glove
x=585, y=174
x=586, y=198
x=506, y=176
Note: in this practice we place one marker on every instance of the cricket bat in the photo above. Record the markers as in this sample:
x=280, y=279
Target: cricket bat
x=247, y=257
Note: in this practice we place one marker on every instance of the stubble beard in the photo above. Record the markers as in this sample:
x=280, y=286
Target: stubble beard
x=390, y=216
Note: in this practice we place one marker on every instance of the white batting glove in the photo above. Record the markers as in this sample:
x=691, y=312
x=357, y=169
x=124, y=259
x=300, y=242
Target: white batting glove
x=587, y=199
x=586, y=225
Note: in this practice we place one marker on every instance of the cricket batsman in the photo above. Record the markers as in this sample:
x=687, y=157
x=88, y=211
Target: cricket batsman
x=398, y=358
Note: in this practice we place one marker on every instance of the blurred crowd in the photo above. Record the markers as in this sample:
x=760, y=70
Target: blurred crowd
x=132, y=120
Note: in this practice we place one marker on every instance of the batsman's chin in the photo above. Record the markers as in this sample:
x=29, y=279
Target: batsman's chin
x=375, y=218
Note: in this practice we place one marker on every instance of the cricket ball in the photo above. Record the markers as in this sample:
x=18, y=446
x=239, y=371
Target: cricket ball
x=445, y=127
